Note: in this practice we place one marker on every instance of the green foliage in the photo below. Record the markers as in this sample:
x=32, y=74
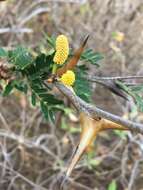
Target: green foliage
x=66, y=127
x=20, y=57
x=3, y=53
x=33, y=99
x=51, y=41
x=90, y=56
x=112, y=185
x=82, y=86
x=133, y=91
x=15, y=84
x=44, y=109
x=40, y=69
x=21, y=86
x=30, y=72
x=91, y=160
x=8, y=88
x=137, y=89
x=36, y=74
x=121, y=134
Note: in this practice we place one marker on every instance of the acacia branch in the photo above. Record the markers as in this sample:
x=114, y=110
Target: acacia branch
x=95, y=112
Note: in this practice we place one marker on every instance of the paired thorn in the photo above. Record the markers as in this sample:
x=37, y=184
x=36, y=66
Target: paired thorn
x=90, y=129
x=88, y=135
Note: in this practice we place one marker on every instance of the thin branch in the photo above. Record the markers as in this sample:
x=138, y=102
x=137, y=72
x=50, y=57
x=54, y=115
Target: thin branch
x=111, y=85
x=30, y=143
x=19, y=175
x=65, y=1
x=15, y=30
x=132, y=83
x=95, y=112
x=96, y=78
x=134, y=174
x=33, y=14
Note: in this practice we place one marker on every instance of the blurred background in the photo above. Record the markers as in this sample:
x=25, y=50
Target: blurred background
x=33, y=153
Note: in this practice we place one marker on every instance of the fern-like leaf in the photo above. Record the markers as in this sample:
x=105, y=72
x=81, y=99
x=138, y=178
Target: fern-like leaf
x=90, y=56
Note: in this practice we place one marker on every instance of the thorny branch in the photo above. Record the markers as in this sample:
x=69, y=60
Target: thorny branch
x=95, y=112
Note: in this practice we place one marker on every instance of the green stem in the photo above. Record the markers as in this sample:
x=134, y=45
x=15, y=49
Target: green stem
x=54, y=68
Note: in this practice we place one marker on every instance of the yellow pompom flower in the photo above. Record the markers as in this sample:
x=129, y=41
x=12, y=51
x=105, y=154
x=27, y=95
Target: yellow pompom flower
x=68, y=78
x=62, y=49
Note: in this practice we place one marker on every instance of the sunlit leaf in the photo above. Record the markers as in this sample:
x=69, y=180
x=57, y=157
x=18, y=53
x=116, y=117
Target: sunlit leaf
x=112, y=185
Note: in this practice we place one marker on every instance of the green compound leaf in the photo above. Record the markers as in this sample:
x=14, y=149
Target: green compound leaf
x=51, y=116
x=90, y=56
x=138, y=88
x=3, y=53
x=21, y=86
x=82, y=86
x=46, y=99
x=20, y=57
x=133, y=92
x=43, y=94
x=47, y=111
x=41, y=67
x=51, y=41
x=139, y=101
x=8, y=89
x=49, y=98
x=33, y=99
x=44, y=109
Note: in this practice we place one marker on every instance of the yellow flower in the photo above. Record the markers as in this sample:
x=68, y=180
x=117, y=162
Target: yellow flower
x=118, y=36
x=68, y=78
x=62, y=49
